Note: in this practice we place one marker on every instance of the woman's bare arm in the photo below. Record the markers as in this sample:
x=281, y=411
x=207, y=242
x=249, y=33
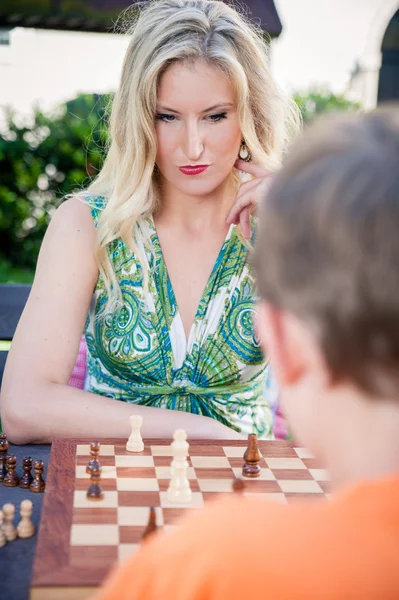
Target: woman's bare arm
x=37, y=405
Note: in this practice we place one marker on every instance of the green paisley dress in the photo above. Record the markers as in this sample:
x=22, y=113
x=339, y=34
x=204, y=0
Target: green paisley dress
x=140, y=353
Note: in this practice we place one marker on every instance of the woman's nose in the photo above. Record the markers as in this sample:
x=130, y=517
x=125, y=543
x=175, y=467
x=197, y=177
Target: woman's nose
x=193, y=143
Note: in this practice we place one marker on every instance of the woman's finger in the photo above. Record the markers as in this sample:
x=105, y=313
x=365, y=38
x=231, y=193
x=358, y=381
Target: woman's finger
x=245, y=223
x=251, y=168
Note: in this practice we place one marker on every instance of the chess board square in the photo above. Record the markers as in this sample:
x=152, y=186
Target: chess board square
x=127, y=550
x=137, y=515
x=139, y=499
x=166, y=461
x=319, y=474
x=215, y=485
x=205, y=450
x=94, y=535
x=106, y=472
x=93, y=556
x=292, y=474
x=234, y=451
x=300, y=486
x=164, y=485
x=105, y=449
x=139, y=484
x=108, y=461
x=265, y=474
x=134, y=461
x=285, y=463
x=106, y=484
x=210, y=462
x=196, y=501
x=161, y=451
x=271, y=450
x=166, y=473
x=214, y=474
x=140, y=472
x=259, y=486
x=80, y=500
x=95, y=516
x=273, y=497
x=173, y=515
x=236, y=462
x=303, y=453
x=120, y=450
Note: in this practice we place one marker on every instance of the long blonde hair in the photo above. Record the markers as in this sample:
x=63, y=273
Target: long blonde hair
x=165, y=31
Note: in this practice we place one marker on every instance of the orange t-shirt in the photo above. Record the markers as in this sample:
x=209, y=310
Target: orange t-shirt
x=238, y=548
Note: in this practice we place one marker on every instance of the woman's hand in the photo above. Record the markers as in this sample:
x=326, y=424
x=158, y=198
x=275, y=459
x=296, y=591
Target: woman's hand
x=250, y=195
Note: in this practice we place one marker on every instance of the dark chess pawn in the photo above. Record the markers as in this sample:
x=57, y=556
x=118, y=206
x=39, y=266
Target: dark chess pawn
x=94, y=454
x=252, y=457
x=95, y=491
x=38, y=484
x=3, y=455
x=26, y=478
x=238, y=486
x=152, y=524
x=11, y=479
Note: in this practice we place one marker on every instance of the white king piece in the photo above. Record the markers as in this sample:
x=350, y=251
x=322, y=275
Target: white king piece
x=135, y=442
x=179, y=487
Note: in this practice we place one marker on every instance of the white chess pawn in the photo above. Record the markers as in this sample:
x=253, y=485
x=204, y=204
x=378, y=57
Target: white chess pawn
x=3, y=540
x=135, y=442
x=179, y=488
x=8, y=527
x=25, y=527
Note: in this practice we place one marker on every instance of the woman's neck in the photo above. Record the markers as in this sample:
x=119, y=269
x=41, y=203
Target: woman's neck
x=193, y=211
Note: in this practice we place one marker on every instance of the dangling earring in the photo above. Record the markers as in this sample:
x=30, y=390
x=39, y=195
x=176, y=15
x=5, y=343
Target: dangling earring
x=244, y=153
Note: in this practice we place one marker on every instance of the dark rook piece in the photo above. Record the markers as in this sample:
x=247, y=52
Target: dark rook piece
x=252, y=457
x=26, y=478
x=38, y=484
x=3, y=455
x=152, y=524
x=95, y=491
x=11, y=479
x=94, y=453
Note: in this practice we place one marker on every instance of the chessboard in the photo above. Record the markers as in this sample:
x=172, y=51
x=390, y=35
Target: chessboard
x=81, y=539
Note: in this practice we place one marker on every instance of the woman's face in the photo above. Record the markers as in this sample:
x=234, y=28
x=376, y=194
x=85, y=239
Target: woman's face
x=196, y=124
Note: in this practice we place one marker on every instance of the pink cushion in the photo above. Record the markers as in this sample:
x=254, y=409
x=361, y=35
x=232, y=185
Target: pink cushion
x=78, y=376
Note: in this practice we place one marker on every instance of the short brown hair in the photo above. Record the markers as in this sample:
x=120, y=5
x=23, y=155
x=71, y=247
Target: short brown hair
x=328, y=244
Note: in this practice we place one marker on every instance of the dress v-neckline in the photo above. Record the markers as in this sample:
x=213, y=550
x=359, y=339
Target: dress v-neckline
x=205, y=291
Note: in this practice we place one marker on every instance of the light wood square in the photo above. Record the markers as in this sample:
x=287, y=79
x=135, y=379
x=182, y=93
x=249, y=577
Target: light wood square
x=319, y=474
x=110, y=500
x=234, y=451
x=84, y=450
x=137, y=515
x=210, y=462
x=285, y=463
x=137, y=484
x=94, y=535
x=106, y=472
x=215, y=485
x=302, y=486
x=166, y=473
x=134, y=461
x=265, y=475
x=279, y=498
x=161, y=451
x=303, y=453
x=125, y=551
x=197, y=501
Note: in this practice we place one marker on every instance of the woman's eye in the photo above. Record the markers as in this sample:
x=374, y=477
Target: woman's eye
x=166, y=118
x=218, y=117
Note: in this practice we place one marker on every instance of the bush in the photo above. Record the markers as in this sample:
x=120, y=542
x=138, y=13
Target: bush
x=40, y=162
x=321, y=100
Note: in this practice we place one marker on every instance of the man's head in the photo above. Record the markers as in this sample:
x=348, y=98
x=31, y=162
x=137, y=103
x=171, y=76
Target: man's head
x=327, y=264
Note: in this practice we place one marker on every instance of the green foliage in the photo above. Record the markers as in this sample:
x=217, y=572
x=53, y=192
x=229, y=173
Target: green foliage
x=40, y=162
x=321, y=100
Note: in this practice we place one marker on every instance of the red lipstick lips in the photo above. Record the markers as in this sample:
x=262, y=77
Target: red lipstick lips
x=188, y=170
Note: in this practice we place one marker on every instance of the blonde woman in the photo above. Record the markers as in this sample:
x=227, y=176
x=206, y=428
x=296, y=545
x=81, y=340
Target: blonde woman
x=159, y=237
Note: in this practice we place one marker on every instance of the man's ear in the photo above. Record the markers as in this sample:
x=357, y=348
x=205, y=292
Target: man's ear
x=281, y=342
